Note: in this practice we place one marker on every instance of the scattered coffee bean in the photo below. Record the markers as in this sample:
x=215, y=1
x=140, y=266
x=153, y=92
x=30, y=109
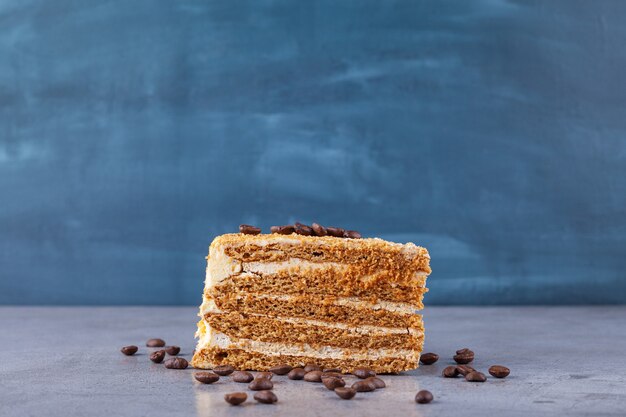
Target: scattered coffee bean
x=129, y=350
x=267, y=375
x=206, y=377
x=335, y=231
x=224, y=370
x=464, y=356
x=155, y=343
x=296, y=374
x=312, y=367
x=429, y=358
x=464, y=369
x=378, y=383
x=345, y=393
x=475, y=376
x=176, y=363
x=236, y=398
x=499, y=371
x=246, y=229
x=241, y=376
x=313, y=376
x=363, y=373
x=265, y=397
x=172, y=350
x=335, y=374
x=333, y=370
x=303, y=229
x=364, y=386
x=259, y=384
x=158, y=356
x=423, y=397
x=283, y=230
x=352, y=234
x=332, y=382
x=281, y=369
x=319, y=230
x=450, y=372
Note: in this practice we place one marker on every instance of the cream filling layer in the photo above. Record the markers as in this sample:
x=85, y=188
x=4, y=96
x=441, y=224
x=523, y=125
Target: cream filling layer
x=212, y=338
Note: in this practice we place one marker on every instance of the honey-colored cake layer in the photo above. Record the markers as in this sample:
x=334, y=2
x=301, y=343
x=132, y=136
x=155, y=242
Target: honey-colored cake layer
x=396, y=258
x=313, y=332
x=331, y=309
x=210, y=357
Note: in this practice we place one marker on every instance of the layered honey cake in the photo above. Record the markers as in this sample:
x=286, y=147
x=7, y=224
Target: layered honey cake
x=317, y=295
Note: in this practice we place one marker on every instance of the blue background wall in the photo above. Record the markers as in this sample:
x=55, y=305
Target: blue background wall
x=491, y=132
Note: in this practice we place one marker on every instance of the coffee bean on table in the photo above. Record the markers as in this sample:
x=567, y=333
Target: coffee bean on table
x=129, y=350
x=172, y=350
x=223, y=370
x=475, y=376
x=378, y=383
x=352, y=234
x=345, y=393
x=429, y=358
x=423, y=397
x=281, y=369
x=450, y=372
x=319, y=230
x=333, y=382
x=296, y=374
x=259, y=384
x=265, y=397
x=206, y=377
x=241, y=376
x=499, y=371
x=326, y=374
x=364, y=386
x=155, y=343
x=246, y=229
x=337, y=370
x=464, y=369
x=313, y=376
x=267, y=375
x=363, y=373
x=335, y=231
x=303, y=229
x=464, y=356
x=312, y=367
x=283, y=230
x=176, y=363
x=236, y=398
x=158, y=356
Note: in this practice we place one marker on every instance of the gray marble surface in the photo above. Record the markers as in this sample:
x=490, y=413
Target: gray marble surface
x=66, y=362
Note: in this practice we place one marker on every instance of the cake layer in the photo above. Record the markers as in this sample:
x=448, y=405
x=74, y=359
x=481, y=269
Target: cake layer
x=313, y=332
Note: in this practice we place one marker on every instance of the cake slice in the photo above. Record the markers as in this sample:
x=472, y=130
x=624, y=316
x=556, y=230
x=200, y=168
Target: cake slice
x=344, y=303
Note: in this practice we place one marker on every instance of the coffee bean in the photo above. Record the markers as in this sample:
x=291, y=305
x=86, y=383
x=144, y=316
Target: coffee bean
x=129, y=350
x=378, y=383
x=246, y=229
x=283, y=230
x=236, y=398
x=158, y=356
x=312, y=367
x=429, y=358
x=475, y=376
x=333, y=370
x=319, y=230
x=364, y=386
x=423, y=397
x=363, y=373
x=241, y=376
x=332, y=382
x=265, y=397
x=267, y=375
x=176, y=363
x=499, y=371
x=464, y=369
x=155, y=343
x=206, y=377
x=296, y=374
x=281, y=369
x=450, y=372
x=313, y=376
x=464, y=356
x=345, y=393
x=223, y=370
x=326, y=374
x=352, y=234
x=303, y=229
x=259, y=384
x=172, y=350
x=335, y=231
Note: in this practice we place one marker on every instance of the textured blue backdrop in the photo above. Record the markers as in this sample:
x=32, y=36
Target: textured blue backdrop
x=491, y=132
